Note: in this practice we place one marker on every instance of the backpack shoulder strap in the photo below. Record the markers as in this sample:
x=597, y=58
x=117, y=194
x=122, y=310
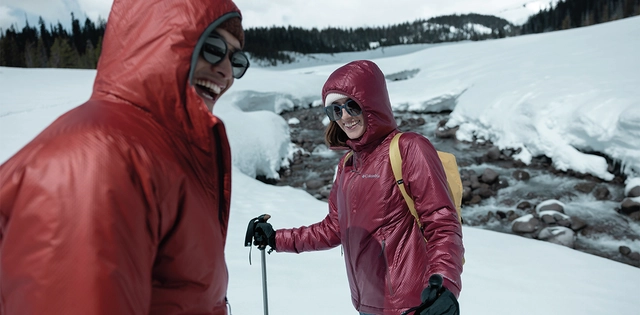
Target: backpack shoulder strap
x=347, y=156
x=396, y=166
x=454, y=181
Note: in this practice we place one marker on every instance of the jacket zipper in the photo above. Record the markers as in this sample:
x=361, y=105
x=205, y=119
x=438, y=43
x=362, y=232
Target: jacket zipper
x=347, y=200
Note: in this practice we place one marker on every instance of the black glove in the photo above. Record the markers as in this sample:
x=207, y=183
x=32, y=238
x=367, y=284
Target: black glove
x=437, y=299
x=264, y=235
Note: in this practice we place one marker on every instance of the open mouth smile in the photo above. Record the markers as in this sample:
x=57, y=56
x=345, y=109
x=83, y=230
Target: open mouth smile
x=208, y=89
x=351, y=124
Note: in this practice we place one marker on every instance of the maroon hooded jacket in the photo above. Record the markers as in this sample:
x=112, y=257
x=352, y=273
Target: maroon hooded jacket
x=121, y=205
x=388, y=262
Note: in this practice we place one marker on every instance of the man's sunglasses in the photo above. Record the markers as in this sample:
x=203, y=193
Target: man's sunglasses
x=334, y=111
x=215, y=49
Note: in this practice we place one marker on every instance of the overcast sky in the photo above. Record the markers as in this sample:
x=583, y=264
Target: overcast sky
x=302, y=13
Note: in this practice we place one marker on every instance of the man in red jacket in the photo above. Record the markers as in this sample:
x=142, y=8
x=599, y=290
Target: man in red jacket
x=121, y=205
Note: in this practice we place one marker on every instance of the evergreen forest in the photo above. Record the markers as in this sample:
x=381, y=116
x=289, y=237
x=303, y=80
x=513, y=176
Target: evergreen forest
x=52, y=46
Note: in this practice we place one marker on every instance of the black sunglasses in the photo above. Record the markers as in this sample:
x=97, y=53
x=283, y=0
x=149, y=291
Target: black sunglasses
x=334, y=111
x=215, y=49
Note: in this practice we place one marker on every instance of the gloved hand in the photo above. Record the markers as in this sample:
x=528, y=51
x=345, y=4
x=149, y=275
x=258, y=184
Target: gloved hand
x=437, y=300
x=264, y=235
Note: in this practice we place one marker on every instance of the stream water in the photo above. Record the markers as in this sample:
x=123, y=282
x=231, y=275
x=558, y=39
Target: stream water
x=313, y=168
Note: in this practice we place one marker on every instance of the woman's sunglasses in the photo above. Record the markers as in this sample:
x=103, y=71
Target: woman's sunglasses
x=334, y=111
x=215, y=49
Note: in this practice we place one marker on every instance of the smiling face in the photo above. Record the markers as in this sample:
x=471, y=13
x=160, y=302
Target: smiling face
x=353, y=126
x=211, y=81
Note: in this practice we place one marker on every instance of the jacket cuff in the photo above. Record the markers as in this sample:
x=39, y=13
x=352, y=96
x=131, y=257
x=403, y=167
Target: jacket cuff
x=451, y=286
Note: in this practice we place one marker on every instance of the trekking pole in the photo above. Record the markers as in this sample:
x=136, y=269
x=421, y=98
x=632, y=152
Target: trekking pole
x=265, y=300
x=262, y=245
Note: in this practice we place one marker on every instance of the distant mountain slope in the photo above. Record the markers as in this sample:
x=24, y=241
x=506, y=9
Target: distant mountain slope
x=268, y=45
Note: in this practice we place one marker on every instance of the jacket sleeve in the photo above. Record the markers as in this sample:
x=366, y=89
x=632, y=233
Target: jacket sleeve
x=319, y=236
x=427, y=183
x=77, y=232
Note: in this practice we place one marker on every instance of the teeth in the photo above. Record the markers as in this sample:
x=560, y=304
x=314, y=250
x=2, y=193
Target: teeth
x=351, y=124
x=214, y=88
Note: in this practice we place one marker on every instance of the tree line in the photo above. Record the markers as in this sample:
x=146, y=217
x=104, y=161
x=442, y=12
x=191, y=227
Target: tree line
x=272, y=43
x=578, y=13
x=54, y=47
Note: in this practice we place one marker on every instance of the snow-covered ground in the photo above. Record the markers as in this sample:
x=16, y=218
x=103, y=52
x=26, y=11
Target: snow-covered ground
x=560, y=94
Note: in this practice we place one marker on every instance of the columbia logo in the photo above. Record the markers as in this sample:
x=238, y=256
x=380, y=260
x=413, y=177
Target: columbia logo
x=370, y=176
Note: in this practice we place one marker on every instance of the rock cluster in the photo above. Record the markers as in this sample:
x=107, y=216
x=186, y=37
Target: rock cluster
x=547, y=220
x=549, y=223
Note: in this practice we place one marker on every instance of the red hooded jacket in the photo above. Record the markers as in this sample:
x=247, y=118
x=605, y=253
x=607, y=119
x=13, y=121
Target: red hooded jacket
x=121, y=205
x=388, y=262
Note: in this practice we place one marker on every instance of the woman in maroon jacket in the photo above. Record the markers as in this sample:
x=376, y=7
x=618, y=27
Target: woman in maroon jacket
x=388, y=262
x=121, y=205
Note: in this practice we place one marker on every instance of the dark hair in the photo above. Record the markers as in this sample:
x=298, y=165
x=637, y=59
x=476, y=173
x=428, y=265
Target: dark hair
x=334, y=136
x=234, y=27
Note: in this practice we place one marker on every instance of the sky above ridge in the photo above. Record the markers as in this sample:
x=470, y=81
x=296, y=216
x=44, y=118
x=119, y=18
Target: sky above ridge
x=546, y=93
x=301, y=13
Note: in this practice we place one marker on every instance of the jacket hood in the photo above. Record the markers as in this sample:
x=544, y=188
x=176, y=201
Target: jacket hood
x=148, y=55
x=364, y=82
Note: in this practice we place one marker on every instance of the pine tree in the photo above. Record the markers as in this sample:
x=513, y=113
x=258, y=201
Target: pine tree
x=62, y=55
x=42, y=60
x=30, y=55
x=45, y=35
x=11, y=55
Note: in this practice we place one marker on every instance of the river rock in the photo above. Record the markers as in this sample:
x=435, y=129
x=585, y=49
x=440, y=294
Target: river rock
x=483, y=191
x=624, y=250
x=489, y=176
x=444, y=132
x=634, y=192
x=493, y=154
x=633, y=188
x=585, y=187
x=500, y=183
x=577, y=224
x=550, y=204
x=558, y=235
x=629, y=206
x=525, y=205
x=475, y=200
x=602, y=193
x=555, y=218
x=521, y=175
x=525, y=224
x=314, y=184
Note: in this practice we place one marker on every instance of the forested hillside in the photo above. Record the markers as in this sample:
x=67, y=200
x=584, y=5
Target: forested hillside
x=54, y=47
x=577, y=13
x=269, y=43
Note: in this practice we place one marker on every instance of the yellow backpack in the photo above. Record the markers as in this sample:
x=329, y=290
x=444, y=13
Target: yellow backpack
x=454, y=182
